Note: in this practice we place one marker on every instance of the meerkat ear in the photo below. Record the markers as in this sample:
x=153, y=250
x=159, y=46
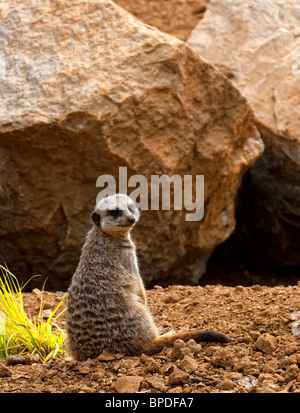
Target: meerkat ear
x=95, y=218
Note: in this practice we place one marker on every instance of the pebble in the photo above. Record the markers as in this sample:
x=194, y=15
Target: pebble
x=188, y=364
x=84, y=370
x=194, y=347
x=152, y=366
x=5, y=371
x=157, y=383
x=270, y=367
x=170, y=299
x=177, y=389
x=264, y=389
x=248, y=382
x=128, y=384
x=291, y=372
x=266, y=343
x=86, y=389
x=177, y=347
x=223, y=358
x=144, y=358
x=178, y=377
x=13, y=359
x=226, y=385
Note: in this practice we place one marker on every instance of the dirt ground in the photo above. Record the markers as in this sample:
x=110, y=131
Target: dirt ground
x=262, y=319
x=263, y=358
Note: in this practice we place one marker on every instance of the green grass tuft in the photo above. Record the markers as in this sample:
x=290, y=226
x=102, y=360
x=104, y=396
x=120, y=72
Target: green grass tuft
x=21, y=335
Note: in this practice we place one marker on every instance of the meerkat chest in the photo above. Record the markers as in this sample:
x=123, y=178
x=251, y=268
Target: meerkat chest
x=129, y=261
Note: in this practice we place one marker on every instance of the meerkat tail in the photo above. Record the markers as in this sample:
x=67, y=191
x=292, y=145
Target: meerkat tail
x=168, y=339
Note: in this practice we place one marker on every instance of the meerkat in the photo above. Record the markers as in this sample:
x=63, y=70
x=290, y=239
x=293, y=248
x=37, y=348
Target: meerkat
x=107, y=305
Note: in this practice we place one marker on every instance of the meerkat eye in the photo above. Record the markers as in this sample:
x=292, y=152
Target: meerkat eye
x=114, y=212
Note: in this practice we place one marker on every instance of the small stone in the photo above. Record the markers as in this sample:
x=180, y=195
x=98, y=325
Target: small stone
x=186, y=351
x=172, y=299
x=241, y=389
x=222, y=358
x=291, y=372
x=177, y=347
x=270, y=367
x=31, y=389
x=188, y=364
x=226, y=385
x=291, y=348
x=128, y=384
x=50, y=373
x=178, y=377
x=84, y=370
x=157, y=383
x=254, y=334
x=247, y=382
x=239, y=288
x=246, y=365
x=86, y=389
x=152, y=366
x=30, y=359
x=212, y=350
x=177, y=389
x=47, y=305
x=14, y=359
x=266, y=343
x=264, y=389
x=71, y=363
x=46, y=314
x=127, y=364
x=167, y=368
x=144, y=358
x=37, y=358
x=251, y=368
x=269, y=380
x=5, y=371
x=194, y=347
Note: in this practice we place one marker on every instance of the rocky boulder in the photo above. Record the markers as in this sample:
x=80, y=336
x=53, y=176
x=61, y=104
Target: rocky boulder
x=257, y=45
x=86, y=89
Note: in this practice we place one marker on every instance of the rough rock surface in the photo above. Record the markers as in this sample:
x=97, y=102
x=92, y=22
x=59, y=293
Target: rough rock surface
x=176, y=17
x=257, y=45
x=87, y=88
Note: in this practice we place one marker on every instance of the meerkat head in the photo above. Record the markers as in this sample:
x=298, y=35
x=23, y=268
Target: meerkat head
x=115, y=214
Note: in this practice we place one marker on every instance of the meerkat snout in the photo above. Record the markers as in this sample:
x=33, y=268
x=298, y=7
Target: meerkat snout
x=116, y=214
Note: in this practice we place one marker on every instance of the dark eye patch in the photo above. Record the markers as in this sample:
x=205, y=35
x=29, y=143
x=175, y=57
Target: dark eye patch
x=114, y=212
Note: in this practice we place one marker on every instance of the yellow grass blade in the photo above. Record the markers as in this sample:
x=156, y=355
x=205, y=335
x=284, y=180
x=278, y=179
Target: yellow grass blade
x=21, y=334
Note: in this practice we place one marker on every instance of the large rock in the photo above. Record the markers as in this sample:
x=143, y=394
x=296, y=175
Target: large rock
x=257, y=45
x=87, y=88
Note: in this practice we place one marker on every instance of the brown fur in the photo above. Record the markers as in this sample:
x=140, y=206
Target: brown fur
x=107, y=307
